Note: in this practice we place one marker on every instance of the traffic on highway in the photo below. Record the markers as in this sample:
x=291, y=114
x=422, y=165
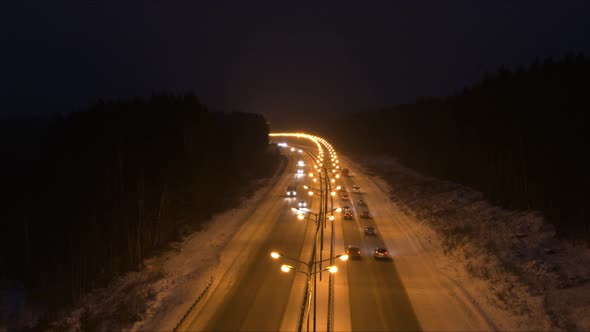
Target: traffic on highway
x=313, y=255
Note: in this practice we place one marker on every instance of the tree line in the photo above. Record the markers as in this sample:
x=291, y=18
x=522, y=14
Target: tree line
x=94, y=193
x=519, y=136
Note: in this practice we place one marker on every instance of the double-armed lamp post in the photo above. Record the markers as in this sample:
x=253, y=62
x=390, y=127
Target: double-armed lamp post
x=309, y=271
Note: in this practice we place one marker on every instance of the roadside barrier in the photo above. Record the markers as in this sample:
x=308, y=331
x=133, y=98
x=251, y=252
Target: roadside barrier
x=330, y=303
x=194, y=304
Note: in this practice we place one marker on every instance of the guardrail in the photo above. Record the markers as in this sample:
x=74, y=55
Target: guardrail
x=194, y=304
x=330, y=304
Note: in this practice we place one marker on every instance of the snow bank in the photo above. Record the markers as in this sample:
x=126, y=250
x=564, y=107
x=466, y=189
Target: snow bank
x=156, y=298
x=526, y=269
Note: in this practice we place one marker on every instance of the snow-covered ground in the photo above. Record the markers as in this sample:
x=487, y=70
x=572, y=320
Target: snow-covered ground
x=508, y=264
x=149, y=300
x=511, y=262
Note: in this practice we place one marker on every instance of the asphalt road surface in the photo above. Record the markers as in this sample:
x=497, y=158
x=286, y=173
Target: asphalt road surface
x=254, y=296
x=378, y=300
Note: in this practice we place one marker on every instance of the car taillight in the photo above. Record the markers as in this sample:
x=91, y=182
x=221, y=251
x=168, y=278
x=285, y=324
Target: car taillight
x=358, y=252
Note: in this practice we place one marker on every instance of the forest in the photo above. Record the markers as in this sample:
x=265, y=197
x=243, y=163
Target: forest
x=519, y=136
x=90, y=195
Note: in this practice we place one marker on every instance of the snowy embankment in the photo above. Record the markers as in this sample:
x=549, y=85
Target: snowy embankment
x=156, y=298
x=524, y=269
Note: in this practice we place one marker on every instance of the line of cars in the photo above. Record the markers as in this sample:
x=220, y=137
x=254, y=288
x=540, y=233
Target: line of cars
x=354, y=252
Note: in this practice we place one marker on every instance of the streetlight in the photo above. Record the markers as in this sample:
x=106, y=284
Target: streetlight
x=287, y=268
x=318, y=216
x=277, y=255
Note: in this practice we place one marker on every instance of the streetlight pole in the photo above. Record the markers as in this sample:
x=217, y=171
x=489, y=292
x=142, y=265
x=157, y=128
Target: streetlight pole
x=310, y=270
x=322, y=208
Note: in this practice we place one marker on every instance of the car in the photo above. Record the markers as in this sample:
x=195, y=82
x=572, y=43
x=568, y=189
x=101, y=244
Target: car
x=353, y=252
x=370, y=230
x=347, y=216
x=291, y=191
x=342, y=188
x=345, y=197
x=300, y=171
x=356, y=189
x=346, y=209
x=365, y=214
x=381, y=253
x=302, y=204
x=361, y=202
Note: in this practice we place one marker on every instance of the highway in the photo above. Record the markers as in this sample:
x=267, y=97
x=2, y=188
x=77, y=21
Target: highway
x=405, y=293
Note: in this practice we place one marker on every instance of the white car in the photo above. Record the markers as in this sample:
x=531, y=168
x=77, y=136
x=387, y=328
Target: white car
x=356, y=189
x=302, y=204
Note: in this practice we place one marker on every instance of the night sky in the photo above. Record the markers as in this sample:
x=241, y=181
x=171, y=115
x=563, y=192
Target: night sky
x=271, y=57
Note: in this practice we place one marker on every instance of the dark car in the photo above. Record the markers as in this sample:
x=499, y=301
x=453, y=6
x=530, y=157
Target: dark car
x=361, y=202
x=348, y=216
x=370, y=230
x=346, y=209
x=291, y=191
x=345, y=198
x=381, y=253
x=365, y=214
x=353, y=252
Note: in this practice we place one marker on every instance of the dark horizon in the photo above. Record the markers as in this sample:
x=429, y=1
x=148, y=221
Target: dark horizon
x=272, y=58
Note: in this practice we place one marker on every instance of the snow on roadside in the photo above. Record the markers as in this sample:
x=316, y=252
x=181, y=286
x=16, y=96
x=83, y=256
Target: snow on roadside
x=515, y=255
x=156, y=298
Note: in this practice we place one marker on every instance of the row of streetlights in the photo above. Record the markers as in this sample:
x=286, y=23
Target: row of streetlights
x=320, y=218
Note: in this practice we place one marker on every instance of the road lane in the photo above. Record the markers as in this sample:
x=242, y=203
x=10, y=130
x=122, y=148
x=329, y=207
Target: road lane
x=439, y=302
x=258, y=299
x=254, y=295
x=378, y=299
